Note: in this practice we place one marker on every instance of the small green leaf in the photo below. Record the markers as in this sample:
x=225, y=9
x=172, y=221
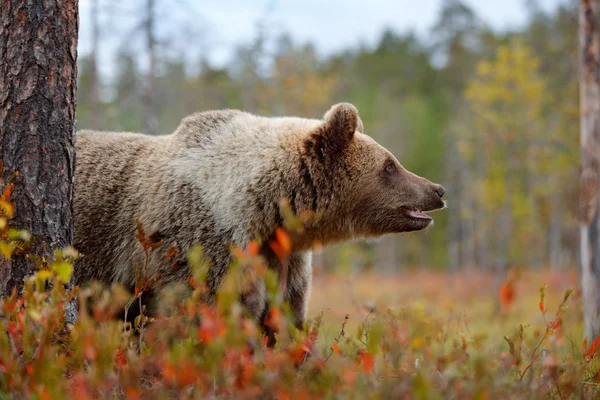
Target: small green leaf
x=375, y=334
x=64, y=270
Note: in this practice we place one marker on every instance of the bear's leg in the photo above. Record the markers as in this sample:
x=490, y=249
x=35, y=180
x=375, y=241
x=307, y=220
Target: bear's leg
x=299, y=279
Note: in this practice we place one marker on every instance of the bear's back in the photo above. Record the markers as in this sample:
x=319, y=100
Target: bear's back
x=109, y=169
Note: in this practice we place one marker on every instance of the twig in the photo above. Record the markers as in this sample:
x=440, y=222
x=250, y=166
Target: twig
x=367, y=327
x=339, y=336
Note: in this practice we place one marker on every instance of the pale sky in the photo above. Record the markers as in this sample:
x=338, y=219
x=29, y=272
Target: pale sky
x=331, y=25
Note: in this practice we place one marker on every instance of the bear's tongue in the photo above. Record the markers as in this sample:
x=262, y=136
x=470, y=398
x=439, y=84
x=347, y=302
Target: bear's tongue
x=418, y=214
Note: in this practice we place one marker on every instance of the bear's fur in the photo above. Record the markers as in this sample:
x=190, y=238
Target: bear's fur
x=218, y=180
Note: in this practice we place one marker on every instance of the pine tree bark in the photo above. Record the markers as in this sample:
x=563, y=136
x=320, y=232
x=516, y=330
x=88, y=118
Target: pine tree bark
x=38, y=71
x=589, y=200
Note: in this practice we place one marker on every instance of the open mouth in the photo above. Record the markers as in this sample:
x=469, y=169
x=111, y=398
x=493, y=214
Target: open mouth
x=419, y=214
x=422, y=214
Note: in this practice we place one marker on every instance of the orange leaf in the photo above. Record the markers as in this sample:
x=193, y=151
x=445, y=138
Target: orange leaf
x=507, y=294
x=274, y=319
x=542, y=307
x=282, y=245
x=172, y=251
x=7, y=191
x=133, y=393
x=187, y=374
x=299, y=353
x=283, y=239
x=368, y=361
x=253, y=248
x=336, y=349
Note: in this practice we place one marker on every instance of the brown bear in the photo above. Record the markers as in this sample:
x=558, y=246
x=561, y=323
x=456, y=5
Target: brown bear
x=218, y=181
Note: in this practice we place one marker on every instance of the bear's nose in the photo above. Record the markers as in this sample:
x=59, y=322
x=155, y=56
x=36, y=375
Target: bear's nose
x=440, y=191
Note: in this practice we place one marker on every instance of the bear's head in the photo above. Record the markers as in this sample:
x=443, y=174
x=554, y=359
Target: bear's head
x=375, y=194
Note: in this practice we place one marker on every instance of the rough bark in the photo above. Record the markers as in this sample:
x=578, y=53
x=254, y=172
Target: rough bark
x=38, y=55
x=590, y=165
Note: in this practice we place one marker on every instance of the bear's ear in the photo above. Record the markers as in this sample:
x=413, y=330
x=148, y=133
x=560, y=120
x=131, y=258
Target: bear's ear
x=340, y=123
x=336, y=131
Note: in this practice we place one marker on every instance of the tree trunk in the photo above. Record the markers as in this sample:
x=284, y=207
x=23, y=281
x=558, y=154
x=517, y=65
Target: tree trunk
x=94, y=74
x=590, y=165
x=387, y=259
x=38, y=70
x=150, y=119
x=454, y=232
x=555, y=239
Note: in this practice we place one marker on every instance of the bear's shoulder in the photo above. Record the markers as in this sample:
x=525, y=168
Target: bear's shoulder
x=197, y=128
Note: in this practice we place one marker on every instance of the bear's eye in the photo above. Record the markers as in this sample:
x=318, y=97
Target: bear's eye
x=390, y=167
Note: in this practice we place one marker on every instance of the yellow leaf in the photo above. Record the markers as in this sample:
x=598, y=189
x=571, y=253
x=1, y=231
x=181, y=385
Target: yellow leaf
x=417, y=342
x=8, y=208
x=35, y=315
x=6, y=249
x=63, y=270
x=43, y=274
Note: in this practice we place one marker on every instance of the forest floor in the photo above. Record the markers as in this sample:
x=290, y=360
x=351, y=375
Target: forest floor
x=469, y=301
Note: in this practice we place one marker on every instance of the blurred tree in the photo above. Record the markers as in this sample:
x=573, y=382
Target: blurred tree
x=297, y=85
x=126, y=109
x=507, y=98
x=94, y=89
x=38, y=76
x=150, y=117
x=456, y=32
x=589, y=206
x=551, y=37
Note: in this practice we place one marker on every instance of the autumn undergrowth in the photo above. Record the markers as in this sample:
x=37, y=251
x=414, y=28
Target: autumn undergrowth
x=191, y=350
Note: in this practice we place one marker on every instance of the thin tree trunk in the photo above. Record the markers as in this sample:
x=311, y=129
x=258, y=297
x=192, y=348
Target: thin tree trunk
x=94, y=75
x=386, y=254
x=482, y=234
x=38, y=72
x=555, y=239
x=150, y=119
x=454, y=219
x=590, y=165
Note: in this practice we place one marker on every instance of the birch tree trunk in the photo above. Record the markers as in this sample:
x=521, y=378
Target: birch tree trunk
x=38, y=79
x=590, y=165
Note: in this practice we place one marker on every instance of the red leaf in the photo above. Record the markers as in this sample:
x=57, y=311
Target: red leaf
x=120, y=358
x=507, y=294
x=590, y=352
x=368, y=361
